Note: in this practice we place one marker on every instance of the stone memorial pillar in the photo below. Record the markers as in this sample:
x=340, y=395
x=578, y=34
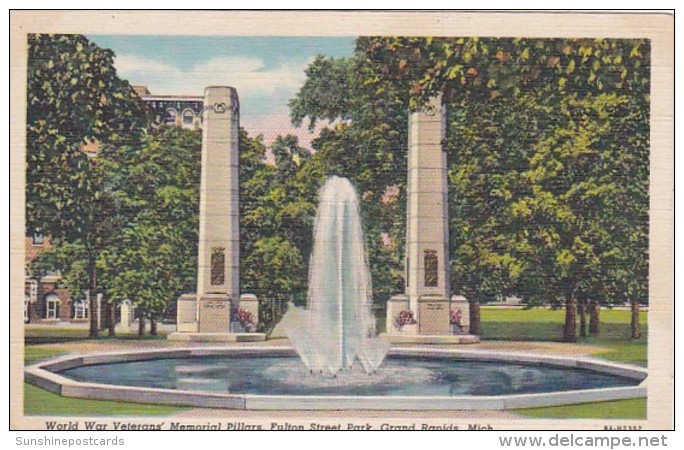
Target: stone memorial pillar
x=218, y=282
x=427, y=240
x=427, y=288
x=205, y=316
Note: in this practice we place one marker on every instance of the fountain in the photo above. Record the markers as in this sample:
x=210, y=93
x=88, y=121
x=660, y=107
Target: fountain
x=338, y=326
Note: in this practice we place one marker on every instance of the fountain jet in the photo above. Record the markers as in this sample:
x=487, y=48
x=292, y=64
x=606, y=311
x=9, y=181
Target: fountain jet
x=338, y=326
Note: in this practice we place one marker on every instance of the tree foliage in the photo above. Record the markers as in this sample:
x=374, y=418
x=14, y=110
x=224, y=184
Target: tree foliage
x=75, y=98
x=156, y=185
x=276, y=223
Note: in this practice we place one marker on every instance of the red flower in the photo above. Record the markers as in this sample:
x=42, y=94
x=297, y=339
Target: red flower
x=404, y=318
x=244, y=317
x=456, y=316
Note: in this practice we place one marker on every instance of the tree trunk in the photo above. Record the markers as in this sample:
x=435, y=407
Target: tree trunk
x=153, y=326
x=141, y=326
x=475, y=319
x=594, y=310
x=104, y=324
x=581, y=311
x=636, y=328
x=104, y=315
x=569, y=329
x=112, y=318
x=92, y=293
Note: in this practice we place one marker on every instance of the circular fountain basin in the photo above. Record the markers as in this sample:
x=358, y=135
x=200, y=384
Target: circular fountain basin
x=274, y=378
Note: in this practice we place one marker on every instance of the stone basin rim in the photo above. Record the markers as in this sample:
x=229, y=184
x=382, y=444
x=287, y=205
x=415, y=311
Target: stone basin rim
x=44, y=374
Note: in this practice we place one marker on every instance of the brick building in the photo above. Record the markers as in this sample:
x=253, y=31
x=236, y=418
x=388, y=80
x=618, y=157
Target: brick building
x=45, y=299
x=183, y=111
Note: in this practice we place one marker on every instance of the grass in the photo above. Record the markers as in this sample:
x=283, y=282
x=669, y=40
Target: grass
x=633, y=352
x=33, y=354
x=541, y=315
x=39, y=402
x=618, y=409
x=544, y=325
x=52, y=335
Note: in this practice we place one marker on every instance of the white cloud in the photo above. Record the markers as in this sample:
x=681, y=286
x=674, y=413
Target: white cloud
x=246, y=74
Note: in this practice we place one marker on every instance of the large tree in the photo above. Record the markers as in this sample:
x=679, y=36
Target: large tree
x=487, y=146
x=585, y=214
x=156, y=182
x=75, y=101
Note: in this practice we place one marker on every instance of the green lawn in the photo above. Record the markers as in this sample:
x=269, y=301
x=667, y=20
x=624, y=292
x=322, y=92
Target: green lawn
x=33, y=354
x=543, y=325
x=619, y=409
x=52, y=335
x=39, y=402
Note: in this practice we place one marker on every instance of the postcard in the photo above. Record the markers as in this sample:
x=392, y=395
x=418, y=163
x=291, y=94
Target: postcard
x=305, y=220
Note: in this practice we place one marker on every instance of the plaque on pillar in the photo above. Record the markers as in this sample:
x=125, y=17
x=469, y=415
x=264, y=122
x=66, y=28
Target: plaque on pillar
x=218, y=266
x=433, y=316
x=214, y=313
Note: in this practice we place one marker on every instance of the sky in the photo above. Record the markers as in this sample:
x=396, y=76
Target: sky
x=266, y=71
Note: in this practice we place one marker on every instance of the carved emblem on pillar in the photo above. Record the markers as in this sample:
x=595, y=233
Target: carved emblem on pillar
x=218, y=266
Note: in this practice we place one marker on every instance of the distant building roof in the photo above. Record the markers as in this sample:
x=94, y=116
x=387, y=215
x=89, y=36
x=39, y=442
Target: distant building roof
x=183, y=111
x=182, y=98
x=141, y=90
x=146, y=95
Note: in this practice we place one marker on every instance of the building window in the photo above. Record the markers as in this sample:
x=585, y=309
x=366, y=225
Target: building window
x=170, y=116
x=188, y=117
x=52, y=307
x=33, y=290
x=38, y=238
x=431, y=270
x=81, y=309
